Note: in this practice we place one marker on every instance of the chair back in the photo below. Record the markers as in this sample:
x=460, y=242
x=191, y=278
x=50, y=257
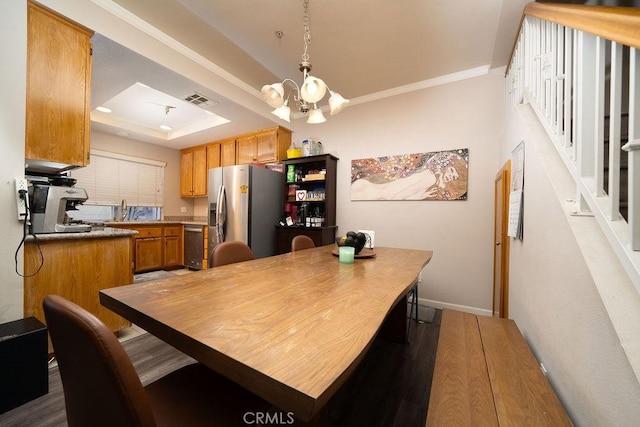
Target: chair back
x=301, y=242
x=101, y=386
x=231, y=252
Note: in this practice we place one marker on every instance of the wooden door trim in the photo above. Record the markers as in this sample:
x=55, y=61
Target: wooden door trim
x=505, y=176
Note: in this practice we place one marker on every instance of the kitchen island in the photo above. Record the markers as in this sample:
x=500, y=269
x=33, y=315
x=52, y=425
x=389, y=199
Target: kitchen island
x=77, y=266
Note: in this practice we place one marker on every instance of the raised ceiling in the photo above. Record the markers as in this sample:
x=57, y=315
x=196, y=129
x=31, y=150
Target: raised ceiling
x=364, y=49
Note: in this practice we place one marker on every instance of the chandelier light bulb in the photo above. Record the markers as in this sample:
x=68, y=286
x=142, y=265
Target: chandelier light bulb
x=283, y=112
x=313, y=89
x=337, y=102
x=273, y=94
x=316, y=116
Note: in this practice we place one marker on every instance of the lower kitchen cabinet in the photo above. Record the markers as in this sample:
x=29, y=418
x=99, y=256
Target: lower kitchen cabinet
x=156, y=246
x=172, y=247
x=76, y=268
x=148, y=254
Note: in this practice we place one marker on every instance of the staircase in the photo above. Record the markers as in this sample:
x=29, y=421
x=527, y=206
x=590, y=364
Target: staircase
x=579, y=68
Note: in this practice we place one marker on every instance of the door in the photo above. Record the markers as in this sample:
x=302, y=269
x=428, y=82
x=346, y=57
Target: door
x=148, y=254
x=186, y=174
x=216, y=211
x=265, y=211
x=236, y=184
x=501, y=243
x=246, y=150
x=58, y=84
x=199, y=171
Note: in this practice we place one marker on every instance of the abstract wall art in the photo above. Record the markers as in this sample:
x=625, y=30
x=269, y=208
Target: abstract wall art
x=438, y=175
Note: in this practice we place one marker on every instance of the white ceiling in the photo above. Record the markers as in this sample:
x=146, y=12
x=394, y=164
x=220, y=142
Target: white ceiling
x=363, y=49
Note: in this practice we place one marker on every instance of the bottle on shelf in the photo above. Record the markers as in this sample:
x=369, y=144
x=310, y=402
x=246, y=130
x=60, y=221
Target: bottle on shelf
x=291, y=174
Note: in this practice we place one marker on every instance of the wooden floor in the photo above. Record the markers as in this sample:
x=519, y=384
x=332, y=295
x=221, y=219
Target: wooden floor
x=389, y=388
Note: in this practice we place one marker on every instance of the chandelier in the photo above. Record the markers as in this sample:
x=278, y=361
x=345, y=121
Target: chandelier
x=306, y=96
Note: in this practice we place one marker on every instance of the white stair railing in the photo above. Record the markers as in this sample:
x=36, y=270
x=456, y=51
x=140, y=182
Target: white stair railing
x=584, y=86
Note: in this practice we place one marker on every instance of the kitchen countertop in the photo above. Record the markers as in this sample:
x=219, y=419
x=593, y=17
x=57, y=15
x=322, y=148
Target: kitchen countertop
x=110, y=229
x=152, y=222
x=95, y=233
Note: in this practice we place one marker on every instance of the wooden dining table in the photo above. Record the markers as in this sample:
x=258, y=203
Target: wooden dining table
x=290, y=328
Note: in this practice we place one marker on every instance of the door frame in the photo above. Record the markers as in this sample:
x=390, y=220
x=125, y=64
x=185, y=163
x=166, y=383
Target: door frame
x=501, y=241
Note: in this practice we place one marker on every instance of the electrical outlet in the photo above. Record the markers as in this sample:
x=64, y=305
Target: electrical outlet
x=420, y=277
x=183, y=209
x=22, y=199
x=371, y=237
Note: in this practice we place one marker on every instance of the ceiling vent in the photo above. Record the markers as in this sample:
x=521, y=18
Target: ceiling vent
x=199, y=100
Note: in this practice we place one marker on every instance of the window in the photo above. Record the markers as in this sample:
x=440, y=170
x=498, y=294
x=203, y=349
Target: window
x=111, y=178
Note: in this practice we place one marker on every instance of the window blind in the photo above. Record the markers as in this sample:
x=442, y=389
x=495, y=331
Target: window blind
x=111, y=177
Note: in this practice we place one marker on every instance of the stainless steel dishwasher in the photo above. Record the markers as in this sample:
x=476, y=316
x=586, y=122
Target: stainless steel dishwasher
x=193, y=246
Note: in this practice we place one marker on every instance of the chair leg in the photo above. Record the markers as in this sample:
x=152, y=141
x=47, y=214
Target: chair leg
x=413, y=294
x=415, y=300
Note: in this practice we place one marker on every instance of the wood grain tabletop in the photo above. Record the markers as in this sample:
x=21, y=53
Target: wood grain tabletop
x=291, y=328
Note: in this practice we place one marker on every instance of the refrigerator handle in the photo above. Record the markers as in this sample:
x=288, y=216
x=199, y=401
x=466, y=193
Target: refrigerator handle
x=221, y=214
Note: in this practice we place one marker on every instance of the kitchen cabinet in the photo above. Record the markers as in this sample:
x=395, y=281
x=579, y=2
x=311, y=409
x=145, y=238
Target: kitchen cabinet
x=193, y=172
x=148, y=250
x=228, y=152
x=309, y=197
x=264, y=146
x=172, y=247
x=156, y=246
x=58, y=89
x=213, y=155
x=76, y=268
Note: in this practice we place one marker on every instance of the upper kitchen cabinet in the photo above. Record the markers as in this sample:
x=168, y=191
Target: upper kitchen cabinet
x=213, y=155
x=58, y=90
x=264, y=146
x=227, y=152
x=193, y=172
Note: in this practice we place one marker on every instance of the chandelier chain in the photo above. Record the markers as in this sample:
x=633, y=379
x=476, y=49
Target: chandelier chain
x=307, y=31
x=309, y=93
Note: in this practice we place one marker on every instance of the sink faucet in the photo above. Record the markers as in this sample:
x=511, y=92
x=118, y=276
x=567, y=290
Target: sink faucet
x=123, y=209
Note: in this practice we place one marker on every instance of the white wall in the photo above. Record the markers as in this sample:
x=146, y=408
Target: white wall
x=552, y=295
x=465, y=114
x=13, y=51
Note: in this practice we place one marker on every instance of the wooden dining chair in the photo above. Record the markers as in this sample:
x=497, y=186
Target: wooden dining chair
x=102, y=388
x=301, y=242
x=231, y=252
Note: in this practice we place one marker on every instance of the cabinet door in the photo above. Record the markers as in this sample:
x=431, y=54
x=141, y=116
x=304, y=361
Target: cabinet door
x=186, y=173
x=228, y=152
x=200, y=171
x=267, y=146
x=213, y=156
x=247, y=150
x=172, y=252
x=148, y=254
x=58, y=89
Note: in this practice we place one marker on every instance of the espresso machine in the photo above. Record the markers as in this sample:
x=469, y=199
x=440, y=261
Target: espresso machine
x=49, y=205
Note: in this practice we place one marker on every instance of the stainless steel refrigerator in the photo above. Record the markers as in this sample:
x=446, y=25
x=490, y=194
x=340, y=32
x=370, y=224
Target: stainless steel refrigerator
x=245, y=204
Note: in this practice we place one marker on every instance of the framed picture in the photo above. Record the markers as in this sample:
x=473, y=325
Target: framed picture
x=439, y=175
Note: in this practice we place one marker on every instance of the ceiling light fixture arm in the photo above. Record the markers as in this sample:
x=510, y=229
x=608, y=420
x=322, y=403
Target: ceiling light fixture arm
x=309, y=93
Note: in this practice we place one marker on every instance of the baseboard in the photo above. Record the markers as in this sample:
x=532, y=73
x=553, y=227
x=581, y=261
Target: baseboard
x=441, y=305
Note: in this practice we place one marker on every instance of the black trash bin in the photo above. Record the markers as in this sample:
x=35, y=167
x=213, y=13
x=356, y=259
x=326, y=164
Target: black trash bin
x=24, y=374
